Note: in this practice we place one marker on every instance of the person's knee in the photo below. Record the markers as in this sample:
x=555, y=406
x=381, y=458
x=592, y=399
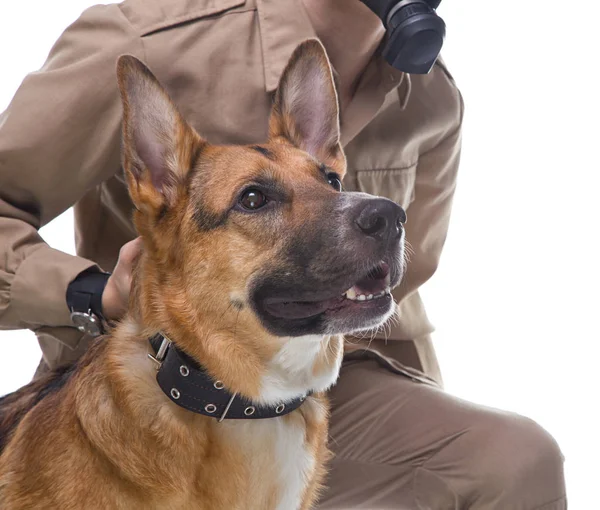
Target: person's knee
x=514, y=455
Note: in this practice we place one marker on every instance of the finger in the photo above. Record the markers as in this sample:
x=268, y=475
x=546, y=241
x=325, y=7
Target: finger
x=130, y=251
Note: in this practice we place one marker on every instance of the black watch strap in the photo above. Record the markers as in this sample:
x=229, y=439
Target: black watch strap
x=84, y=293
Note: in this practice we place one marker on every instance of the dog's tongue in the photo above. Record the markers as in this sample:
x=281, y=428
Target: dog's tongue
x=301, y=309
x=376, y=281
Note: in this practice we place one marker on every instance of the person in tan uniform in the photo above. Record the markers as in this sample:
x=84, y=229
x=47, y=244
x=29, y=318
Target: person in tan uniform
x=400, y=442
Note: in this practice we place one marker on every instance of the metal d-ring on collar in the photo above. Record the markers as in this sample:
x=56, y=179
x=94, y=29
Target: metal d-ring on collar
x=188, y=385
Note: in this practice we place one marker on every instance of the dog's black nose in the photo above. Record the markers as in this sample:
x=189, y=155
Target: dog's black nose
x=382, y=219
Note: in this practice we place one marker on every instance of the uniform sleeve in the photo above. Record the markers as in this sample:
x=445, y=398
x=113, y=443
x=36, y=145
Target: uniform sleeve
x=59, y=138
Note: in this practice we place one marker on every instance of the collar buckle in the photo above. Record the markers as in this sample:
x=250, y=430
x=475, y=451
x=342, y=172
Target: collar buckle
x=161, y=353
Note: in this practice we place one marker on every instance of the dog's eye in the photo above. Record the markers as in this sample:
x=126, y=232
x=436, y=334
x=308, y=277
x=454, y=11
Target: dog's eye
x=334, y=182
x=253, y=199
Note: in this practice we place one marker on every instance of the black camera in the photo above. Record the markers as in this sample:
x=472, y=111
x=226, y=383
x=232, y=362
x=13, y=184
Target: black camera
x=415, y=33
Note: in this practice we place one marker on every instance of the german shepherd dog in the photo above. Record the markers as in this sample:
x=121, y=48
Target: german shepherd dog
x=254, y=266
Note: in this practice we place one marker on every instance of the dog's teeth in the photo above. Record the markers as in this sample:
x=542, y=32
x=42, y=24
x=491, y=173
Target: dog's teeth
x=381, y=294
x=353, y=296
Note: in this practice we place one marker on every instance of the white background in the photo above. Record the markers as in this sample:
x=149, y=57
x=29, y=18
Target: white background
x=515, y=300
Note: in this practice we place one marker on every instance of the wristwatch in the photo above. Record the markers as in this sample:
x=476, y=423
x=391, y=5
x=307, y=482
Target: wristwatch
x=84, y=299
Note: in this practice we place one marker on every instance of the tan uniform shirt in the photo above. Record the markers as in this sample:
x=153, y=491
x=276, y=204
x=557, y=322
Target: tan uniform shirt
x=221, y=61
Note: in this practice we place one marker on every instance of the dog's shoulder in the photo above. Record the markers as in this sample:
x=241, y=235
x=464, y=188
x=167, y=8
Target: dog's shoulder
x=15, y=406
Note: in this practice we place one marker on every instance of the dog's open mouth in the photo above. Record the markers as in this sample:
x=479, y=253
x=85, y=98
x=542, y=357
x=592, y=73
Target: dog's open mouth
x=371, y=291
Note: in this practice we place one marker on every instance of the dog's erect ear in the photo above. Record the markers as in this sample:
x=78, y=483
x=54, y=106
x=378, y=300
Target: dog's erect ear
x=306, y=110
x=159, y=147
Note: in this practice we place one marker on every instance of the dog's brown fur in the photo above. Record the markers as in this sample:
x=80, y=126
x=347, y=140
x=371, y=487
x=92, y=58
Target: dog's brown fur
x=102, y=435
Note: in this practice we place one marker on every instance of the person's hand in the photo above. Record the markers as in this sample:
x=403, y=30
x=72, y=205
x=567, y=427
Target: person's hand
x=115, y=297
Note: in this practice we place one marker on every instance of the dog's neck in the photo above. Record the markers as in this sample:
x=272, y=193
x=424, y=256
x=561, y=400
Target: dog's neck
x=301, y=365
x=263, y=368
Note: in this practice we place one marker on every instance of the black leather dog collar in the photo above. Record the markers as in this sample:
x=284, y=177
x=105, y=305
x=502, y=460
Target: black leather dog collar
x=188, y=385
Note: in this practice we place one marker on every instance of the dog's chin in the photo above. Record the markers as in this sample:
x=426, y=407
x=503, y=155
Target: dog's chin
x=366, y=304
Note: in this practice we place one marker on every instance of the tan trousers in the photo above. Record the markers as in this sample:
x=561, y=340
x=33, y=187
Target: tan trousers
x=406, y=445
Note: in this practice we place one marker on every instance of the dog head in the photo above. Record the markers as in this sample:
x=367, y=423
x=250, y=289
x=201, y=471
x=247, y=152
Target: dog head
x=262, y=237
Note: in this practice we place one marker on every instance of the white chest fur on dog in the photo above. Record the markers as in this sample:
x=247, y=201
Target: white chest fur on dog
x=296, y=465
x=279, y=458
x=279, y=461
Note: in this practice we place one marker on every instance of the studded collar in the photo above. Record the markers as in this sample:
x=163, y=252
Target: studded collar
x=188, y=385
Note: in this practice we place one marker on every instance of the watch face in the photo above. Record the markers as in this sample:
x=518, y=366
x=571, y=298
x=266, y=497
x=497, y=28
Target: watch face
x=86, y=323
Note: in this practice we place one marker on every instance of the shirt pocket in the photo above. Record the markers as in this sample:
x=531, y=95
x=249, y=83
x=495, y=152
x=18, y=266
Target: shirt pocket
x=155, y=16
x=397, y=184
